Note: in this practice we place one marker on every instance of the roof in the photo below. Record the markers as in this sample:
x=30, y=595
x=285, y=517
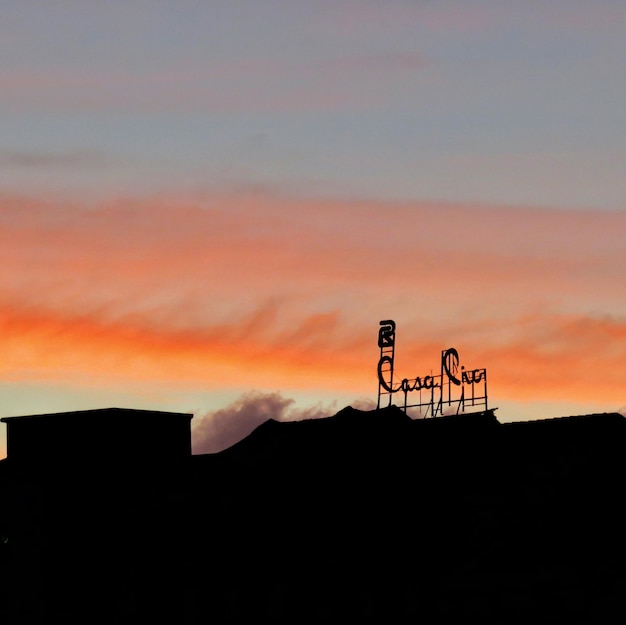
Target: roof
x=581, y=424
x=108, y=412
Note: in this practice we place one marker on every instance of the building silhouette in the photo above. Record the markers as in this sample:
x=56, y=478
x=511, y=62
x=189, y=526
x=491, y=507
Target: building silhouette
x=107, y=517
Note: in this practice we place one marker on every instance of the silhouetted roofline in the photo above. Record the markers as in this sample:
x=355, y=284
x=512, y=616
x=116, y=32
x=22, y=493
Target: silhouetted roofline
x=110, y=412
x=598, y=417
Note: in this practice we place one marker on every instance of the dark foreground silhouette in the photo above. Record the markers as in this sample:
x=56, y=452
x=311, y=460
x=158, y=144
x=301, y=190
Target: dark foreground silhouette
x=359, y=515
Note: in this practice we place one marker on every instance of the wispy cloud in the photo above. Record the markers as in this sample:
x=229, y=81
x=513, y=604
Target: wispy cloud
x=46, y=160
x=245, y=83
x=211, y=290
x=219, y=429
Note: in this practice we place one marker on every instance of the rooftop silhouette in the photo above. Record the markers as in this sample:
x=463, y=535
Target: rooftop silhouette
x=363, y=514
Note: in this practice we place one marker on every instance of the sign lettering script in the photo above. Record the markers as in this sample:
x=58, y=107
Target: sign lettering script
x=452, y=390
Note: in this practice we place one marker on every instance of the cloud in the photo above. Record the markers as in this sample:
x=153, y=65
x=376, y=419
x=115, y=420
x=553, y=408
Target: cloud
x=359, y=80
x=256, y=241
x=40, y=346
x=367, y=18
x=260, y=290
x=219, y=429
x=45, y=160
x=561, y=356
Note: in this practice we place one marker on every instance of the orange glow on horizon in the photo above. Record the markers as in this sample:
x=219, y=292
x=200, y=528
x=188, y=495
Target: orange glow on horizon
x=210, y=291
x=307, y=357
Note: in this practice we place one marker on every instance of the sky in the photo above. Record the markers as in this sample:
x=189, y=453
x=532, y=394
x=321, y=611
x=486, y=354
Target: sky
x=208, y=207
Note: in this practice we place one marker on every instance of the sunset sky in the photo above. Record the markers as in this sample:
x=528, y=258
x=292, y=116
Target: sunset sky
x=208, y=207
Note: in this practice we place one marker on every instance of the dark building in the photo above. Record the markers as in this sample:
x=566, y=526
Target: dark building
x=97, y=435
x=80, y=494
x=107, y=517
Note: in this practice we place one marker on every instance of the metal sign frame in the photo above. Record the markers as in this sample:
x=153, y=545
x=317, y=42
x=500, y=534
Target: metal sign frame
x=451, y=391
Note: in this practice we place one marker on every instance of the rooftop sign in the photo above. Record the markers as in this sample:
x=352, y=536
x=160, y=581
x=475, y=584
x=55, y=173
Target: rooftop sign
x=451, y=391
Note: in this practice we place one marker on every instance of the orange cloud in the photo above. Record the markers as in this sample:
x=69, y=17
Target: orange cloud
x=548, y=358
x=288, y=293
x=579, y=358
x=52, y=347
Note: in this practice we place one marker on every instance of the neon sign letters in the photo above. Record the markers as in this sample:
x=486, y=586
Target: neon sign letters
x=452, y=390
